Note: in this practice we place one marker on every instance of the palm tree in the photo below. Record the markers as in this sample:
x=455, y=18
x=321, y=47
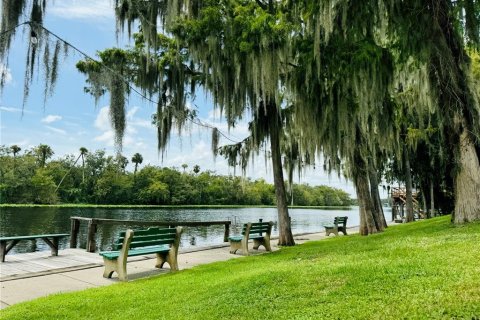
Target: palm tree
x=44, y=152
x=83, y=153
x=184, y=166
x=196, y=169
x=137, y=159
x=15, y=149
x=122, y=162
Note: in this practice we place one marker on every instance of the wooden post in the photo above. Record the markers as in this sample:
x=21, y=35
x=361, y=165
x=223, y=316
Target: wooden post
x=75, y=226
x=92, y=229
x=3, y=249
x=227, y=232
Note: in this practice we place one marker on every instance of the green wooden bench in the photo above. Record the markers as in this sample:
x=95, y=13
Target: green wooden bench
x=7, y=243
x=339, y=225
x=259, y=232
x=163, y=242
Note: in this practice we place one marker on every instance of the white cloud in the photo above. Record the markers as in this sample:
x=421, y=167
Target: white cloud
x=102, y=121
x=147, y=124
x=8, y=109
x=56, y=130
x=132, y=112
x=51, y=118
x=215, y=114
x=5, y=74
x=16, y=110
x=107, y=137
x=85, y=9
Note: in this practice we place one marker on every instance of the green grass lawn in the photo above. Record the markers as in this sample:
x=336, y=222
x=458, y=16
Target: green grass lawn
x=424, y=270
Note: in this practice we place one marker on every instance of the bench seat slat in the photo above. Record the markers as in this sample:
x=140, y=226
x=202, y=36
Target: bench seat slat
x=39, y=236
x=137, y=244
x=251, y=237
x=166, y=236
x=151, y=231
x=136, y=252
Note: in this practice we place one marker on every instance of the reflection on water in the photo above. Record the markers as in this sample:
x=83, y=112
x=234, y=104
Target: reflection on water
x=27, y=221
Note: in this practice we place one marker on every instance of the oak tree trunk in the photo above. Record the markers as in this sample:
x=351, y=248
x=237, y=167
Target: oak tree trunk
x=367, y=220
x=285, y=236
x=377, y=203
x=424, y=203
x=467, y=183
x=432, y=200
x=467, y=180
x=408, y=185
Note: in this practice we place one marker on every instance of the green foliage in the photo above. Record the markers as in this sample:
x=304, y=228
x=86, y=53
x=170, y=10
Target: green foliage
x=103, y=179
x=429, y=269
x=43, y=188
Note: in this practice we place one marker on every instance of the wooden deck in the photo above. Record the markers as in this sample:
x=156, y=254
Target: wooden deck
x=32, y=264
x=40, y=263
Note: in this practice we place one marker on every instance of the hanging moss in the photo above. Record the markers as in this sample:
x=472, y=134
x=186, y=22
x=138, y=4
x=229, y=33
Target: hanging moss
x=117, y=89
x=11, y=13
x=39, y=53
x=215, y=140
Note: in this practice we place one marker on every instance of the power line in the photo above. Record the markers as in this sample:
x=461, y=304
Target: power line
x=132, y=88
x=14, y=28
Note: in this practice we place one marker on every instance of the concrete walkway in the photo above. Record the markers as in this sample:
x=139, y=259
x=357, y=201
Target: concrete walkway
x=28, y=286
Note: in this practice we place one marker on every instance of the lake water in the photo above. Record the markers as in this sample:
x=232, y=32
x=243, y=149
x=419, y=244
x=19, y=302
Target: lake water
x=26, y=221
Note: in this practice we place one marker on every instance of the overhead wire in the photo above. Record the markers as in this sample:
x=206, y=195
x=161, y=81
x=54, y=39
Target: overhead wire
x=198, y=121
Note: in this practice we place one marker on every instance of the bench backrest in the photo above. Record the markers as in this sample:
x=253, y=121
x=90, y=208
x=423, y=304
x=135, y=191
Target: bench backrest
x=340, y=220
x=258, y=228
x=147, y=238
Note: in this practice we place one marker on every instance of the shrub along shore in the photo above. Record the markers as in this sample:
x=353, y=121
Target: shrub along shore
x=426, y=269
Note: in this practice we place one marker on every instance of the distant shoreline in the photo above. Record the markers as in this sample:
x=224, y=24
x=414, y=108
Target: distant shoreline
x=128, y=206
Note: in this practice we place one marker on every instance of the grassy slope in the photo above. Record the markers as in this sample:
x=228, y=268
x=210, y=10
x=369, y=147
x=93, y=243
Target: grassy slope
x=427, y=269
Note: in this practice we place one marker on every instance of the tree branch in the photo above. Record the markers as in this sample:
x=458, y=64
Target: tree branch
x=261, y=4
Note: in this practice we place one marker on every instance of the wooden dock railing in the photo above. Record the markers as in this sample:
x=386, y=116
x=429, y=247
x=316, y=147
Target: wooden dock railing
x=94, y=222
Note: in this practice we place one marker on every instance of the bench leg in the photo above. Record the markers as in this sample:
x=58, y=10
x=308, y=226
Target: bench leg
x=234, y=246
x=117, y=266
x=266, y=243
x=257, y=243
x=110, y=267
x=328, y=231
x=245, y=247
x=53, y=245
x=169, y=258
x=262, y=242
x=3, y=249
x=161, y=259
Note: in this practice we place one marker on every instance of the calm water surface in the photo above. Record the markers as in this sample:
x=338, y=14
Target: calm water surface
x=26, y=221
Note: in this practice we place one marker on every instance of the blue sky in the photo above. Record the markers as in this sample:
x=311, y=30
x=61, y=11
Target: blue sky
x=70, y=118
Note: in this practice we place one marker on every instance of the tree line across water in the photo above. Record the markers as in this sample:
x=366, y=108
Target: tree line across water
x=98, y=178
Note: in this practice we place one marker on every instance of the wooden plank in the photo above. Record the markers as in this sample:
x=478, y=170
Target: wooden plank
x=31, y=237
x=153, y=223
